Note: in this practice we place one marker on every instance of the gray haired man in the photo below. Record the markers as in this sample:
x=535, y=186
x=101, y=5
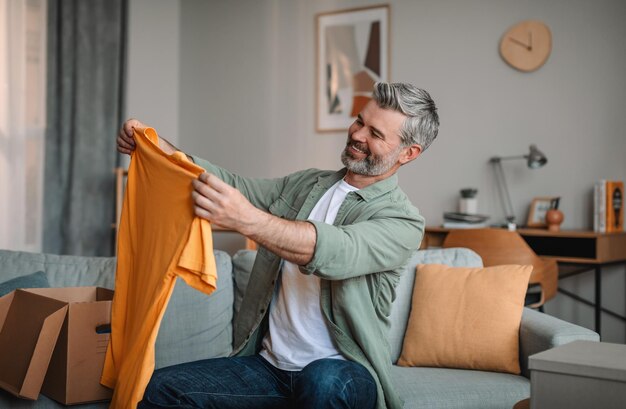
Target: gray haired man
x=311, y=332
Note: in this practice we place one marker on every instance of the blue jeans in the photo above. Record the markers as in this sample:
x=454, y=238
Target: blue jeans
x=251, y=382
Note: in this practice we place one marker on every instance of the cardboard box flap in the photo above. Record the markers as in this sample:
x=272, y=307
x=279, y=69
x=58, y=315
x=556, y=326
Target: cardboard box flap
x=68, y=294
x=27, y=339
x=590, y=359
x=5, y=303
x=75, y=294
x=104, y=294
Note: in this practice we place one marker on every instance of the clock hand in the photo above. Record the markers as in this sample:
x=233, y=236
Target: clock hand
x=530, y=40
x=516, y=41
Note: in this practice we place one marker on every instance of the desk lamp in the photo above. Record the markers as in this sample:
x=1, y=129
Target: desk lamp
x=534, y=159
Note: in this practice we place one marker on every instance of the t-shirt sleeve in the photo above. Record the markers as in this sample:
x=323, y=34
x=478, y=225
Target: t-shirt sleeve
x=196, y=264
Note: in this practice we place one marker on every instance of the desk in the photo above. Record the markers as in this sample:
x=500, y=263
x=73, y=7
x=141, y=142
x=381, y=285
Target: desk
x=575, y=251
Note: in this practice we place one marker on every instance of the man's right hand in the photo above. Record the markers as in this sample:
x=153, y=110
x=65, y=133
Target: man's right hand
x=125, y=139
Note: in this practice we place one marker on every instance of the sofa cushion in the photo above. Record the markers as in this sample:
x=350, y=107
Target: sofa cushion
x=466, y=317
x=458, y=388
x=34, y=280
x=402, y=304
x=62, y=271
x=196, y=326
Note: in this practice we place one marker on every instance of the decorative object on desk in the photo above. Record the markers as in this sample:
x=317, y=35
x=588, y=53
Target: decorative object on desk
x=554, y=218
x=352, y=54
x=534, y=159
x=538, y=209
x=456, y=220
x=468, y=203
x=608, y=206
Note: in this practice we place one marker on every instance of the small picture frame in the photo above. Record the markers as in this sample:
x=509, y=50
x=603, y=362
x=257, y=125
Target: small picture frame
x=538, y=208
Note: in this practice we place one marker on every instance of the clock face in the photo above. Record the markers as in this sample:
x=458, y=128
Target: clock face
x=526, y=46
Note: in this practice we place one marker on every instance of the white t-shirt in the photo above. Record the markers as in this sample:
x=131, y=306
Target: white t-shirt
x=298, y=333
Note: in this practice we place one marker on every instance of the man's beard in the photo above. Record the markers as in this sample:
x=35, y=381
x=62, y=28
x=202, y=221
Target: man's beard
x=371, y=165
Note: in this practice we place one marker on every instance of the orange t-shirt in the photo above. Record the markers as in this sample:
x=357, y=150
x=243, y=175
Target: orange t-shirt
x=159, y=239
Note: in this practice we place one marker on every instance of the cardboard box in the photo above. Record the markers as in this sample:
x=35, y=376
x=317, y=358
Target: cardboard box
x=60, y=348
x=29, y=328
x=581, y=374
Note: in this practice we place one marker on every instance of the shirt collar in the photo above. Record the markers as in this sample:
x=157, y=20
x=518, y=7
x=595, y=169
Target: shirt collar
x=372, y=191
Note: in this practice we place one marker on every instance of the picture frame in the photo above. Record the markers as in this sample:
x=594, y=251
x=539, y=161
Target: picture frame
x=352, y=53
x=537, y=210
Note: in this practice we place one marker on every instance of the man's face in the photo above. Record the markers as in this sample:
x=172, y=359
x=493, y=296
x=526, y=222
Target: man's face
x=374, y=143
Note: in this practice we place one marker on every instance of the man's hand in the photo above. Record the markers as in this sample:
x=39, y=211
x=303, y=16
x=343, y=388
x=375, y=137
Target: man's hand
x=125, y=139
x=222, y=204
x=226, y=207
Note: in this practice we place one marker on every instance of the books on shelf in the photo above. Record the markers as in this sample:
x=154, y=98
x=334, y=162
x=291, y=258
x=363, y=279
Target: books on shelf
x=608, y=206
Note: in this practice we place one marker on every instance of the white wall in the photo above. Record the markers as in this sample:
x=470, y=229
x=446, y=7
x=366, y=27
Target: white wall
x=153, y=64
x=246, y=101
x=247, y=80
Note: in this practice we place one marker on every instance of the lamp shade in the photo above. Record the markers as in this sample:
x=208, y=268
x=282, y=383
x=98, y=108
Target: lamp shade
x=536, y=158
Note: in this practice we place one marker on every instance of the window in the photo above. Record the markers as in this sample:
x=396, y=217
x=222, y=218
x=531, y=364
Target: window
x=22, y=122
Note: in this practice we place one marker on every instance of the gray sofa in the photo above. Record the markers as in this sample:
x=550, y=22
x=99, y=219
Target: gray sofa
x=196, y=326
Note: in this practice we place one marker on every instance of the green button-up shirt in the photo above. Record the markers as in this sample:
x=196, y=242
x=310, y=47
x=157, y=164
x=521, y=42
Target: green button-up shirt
x=359, y=260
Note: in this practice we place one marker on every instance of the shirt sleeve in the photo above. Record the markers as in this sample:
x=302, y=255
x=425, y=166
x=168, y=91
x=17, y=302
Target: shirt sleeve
x=379, y=244
x=260, y=192
x=196, y=264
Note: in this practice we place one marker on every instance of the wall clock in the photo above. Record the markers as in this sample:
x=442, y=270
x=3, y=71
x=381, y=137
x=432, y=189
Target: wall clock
x=527, y=45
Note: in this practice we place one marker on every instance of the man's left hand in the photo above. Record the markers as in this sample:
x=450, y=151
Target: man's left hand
x=226, y=207
x=221, y=203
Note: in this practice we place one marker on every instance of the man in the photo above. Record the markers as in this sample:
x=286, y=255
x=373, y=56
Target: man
x=312, y=328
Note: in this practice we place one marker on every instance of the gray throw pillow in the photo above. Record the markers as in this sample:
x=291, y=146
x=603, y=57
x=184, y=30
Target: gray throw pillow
x=34, y=280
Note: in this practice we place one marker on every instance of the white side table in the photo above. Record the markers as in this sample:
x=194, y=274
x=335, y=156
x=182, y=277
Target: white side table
x=581, y=374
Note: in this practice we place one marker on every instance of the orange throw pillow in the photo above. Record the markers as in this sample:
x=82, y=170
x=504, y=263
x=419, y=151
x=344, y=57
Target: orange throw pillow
x=466, y=318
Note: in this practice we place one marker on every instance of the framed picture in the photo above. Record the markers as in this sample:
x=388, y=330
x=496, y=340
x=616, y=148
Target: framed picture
x=538, y=208
x=352, y=55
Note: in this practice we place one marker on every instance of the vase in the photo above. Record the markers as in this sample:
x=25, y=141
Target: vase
x=554, y=218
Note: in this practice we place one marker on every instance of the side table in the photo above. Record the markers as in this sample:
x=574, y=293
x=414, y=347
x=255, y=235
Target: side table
x=581, y=374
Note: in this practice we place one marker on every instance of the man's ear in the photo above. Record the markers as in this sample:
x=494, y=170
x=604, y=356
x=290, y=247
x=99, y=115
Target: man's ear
x=410, y=153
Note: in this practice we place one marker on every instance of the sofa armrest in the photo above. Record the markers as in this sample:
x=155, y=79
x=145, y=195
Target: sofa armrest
x=539, y=332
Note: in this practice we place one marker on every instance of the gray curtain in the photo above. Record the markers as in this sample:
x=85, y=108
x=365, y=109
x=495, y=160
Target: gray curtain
x=86, y=53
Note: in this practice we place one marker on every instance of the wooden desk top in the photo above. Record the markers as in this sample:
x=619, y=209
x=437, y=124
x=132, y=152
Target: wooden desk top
x=565, y=246
x=526, y=231
x=567, y=233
